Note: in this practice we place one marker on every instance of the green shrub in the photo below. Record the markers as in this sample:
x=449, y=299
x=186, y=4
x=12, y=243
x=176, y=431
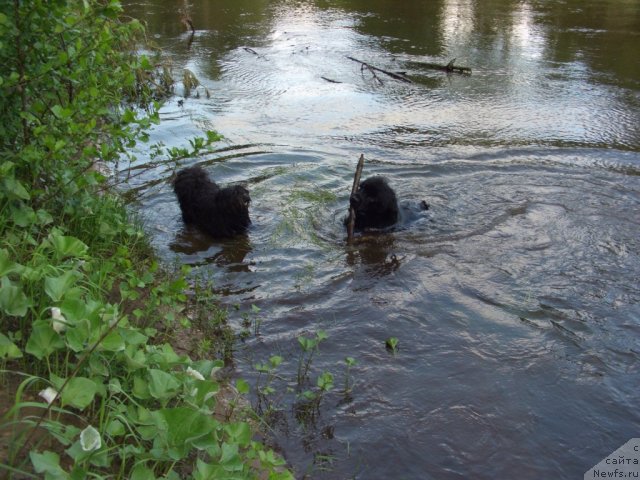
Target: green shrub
x=82, y=303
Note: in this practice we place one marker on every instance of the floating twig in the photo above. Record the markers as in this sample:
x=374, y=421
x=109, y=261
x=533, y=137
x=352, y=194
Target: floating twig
x=251, y=50
x=330, y=80
x=398, y=76
x=356, y=185
x=366, y=66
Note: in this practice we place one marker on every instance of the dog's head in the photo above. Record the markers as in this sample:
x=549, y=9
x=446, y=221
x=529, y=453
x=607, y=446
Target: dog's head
x=241, y=198
x=232, y=210
x=375, y=204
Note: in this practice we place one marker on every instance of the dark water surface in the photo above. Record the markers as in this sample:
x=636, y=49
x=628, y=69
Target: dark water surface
x=515, y=298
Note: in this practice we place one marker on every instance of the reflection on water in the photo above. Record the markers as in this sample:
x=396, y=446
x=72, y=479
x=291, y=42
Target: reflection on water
x=373, y=251
x=230, y=255
x=514, y=297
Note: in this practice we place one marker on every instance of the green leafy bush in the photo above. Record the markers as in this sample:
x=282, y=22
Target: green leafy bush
x=96, y=391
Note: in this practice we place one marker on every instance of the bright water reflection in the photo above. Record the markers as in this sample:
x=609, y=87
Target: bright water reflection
x=515, y=297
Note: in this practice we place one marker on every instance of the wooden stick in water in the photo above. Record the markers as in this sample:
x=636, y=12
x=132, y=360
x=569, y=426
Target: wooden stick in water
x=397, y=76
x=354, y=189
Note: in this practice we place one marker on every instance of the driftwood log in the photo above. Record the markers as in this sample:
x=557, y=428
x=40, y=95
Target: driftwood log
x=351, y=221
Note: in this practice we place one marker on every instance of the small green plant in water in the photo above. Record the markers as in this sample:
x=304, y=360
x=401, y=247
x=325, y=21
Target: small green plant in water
x=325, y=383
x=309, y=347
x=392, y=344
x=265, y=389
x=307, y=406
x=300, y=215
x=250, y=318
x=349, y=362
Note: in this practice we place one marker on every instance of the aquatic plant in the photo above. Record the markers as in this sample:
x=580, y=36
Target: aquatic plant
x=392, y=344
x=349, y=362
x=309, y=347
x=265, y=388
x=299, y=209
x=250, y=318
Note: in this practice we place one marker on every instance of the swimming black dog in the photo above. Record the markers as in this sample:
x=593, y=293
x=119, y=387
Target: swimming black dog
x=375, y=204
x=219, y=212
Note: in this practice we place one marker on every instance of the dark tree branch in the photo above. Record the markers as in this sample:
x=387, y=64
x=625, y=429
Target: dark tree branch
x=354, y=189
x=397, y=76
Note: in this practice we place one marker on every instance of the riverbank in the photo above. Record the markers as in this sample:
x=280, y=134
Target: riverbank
x=94, y=380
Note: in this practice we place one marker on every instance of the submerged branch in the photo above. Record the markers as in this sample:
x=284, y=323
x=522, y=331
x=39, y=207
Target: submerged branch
x=330, y=80
x=398, y=76
x=252, y=51
x=449, y=67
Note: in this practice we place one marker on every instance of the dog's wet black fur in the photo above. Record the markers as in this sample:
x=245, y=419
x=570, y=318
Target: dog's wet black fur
x=219, y=212
x=375, y=204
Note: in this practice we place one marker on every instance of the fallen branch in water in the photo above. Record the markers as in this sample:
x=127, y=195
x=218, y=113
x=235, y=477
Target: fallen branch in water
x=251, y=50
x=449, y=67
x=372, y=69
x=187, y=22
x=351, y=222
x=373, y=72
x=185, y=16
x=330, y=80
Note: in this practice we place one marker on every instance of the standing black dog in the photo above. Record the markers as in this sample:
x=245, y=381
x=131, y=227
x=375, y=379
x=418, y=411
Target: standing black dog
x=219, y=212
x=375, y=204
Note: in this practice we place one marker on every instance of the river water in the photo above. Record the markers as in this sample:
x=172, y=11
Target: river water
x=515, y=298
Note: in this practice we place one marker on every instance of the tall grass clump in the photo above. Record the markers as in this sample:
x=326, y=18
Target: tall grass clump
x=89, y=386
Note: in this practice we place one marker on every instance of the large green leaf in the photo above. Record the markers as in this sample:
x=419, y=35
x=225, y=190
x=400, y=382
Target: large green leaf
x=230, y=458
x=13, y=301
x=206, y=471
x=113, y=342
x=140, y=388
x=47, y=463
x=165, y=356
x=116, y=428
x=142, y=472
x=79, y=392
x=7, y=265
x=8, y=349
x=57, y=287
x=162, y=385
x=43, y=340
x=179, y=427
x=66, y=246
x=205, y=394
x=77, y=337
x=132, y=336
x=13, y=189
x=23, y=215
x=239, y=432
